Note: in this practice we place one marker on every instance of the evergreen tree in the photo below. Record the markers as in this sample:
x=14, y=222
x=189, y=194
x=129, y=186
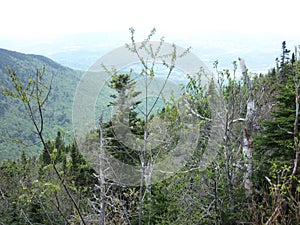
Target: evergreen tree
x=81, y=173
x=60, y=147
x=284, y=66
x=126, y=117
x=125, y=102
x=275, y=143
x=45, y=157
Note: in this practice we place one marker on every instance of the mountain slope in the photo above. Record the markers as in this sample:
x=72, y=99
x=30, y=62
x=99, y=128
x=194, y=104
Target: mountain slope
x=16, y=129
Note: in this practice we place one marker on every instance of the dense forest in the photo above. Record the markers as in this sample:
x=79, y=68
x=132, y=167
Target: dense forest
x=241, y=148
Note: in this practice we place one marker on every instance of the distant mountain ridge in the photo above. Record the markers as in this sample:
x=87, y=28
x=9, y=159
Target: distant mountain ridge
x=16, y=129
x=8, y=58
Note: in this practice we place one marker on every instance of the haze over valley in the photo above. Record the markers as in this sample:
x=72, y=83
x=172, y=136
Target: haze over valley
x=80, y=51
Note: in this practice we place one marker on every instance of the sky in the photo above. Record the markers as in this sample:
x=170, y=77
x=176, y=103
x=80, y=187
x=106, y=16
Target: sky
x=230, y=26
x=43, y=20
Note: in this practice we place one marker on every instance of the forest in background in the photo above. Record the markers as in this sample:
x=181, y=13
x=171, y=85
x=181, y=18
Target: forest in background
x=16, y=129
x=252, y=179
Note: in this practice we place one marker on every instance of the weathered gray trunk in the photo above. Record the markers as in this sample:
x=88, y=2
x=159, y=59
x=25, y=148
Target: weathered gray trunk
x=296, y=122
x=247, y=139
x=101, y=177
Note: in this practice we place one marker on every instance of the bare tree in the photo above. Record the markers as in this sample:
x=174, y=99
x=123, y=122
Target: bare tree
x=149, y=58
x=101, y=172
x=247, y=139
x=296, y=123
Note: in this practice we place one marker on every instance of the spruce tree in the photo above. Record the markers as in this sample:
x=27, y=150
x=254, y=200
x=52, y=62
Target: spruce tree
x=275, y=143
x=125, y=104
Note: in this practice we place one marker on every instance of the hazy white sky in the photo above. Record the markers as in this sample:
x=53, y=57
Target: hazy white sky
x=44, y=19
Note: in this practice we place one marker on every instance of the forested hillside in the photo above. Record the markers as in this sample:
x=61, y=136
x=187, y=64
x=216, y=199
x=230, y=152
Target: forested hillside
x=16, y=130
x=226, y=152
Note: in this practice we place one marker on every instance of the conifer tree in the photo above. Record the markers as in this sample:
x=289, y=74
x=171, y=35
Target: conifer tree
x=126, y=116
x=275, y=143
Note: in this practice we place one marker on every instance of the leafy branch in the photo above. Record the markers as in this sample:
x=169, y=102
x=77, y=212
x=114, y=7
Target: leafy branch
x=34, y=94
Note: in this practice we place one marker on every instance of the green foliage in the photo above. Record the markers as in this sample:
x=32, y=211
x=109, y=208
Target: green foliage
x=125, y=103
x=16, y=128
x=275, y=143
x=30, y=193
x=277, y=176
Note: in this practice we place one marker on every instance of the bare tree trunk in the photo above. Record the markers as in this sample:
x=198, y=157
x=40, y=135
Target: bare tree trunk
x=227, y=165
x=296, y=123
x=248, y=151
x=101, y=177
x=141, y=194
x=248, y=140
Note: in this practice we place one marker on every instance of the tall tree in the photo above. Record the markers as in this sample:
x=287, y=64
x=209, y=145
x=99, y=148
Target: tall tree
x=125, y=120
x=276, y=141
x=249, y=124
